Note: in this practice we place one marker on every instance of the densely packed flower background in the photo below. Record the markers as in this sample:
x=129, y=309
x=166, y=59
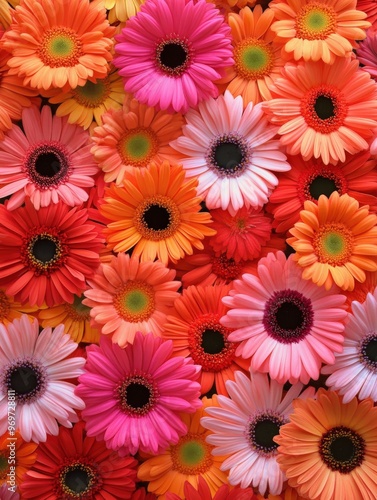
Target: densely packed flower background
x=188, y=249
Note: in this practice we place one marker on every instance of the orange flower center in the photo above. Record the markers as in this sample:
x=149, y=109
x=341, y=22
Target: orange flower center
x=138, y=146
x=253, y=59
x=135, y=301
x=192, y=455
x=137, y=395
x=59, y=47
x=342, y=449
x=324, y=108
x=315, y=21
x=333, y=244
x=4, y=306
x=173, y=55
x=92, y=95
x=157, y=218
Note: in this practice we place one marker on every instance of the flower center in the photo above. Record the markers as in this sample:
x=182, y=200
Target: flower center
x=226, y=269
x=92, y=95
x=368, y=351
x=321, y=181
x=78, y=480
x=228, y=155
x=135, y=301
x=138, y=146
x=47, y=165
x=342, y=449
x=157, y=218
x=192, y=455
x=173, y=56
x=43, y=250
x=261, y=430
x=27, y=378
x=324, y=108
x=77, y=311
x=315, y=21
x=4, y=306
x=333, y=244
x=253, y=59
x=288, y=316
x=137, y=395
x=4, y=467
x=60, y=46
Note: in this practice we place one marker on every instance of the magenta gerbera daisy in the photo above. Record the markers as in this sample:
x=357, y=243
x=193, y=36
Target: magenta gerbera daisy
x=133, y=396
x=287, y=325
x=35, y=369
x=49, y=160
x=172, y=51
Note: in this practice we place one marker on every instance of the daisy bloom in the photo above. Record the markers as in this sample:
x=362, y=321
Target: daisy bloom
x=366, y=53
x=257, y=60
x=333, y=441
x=187, y=460
x=288, y=326
x=46, y=255
x=134, y=138
x=195, y=329
x=73, y=465
x=7, y=494
x=243, y=428
x=133, y=396
x=231, y=152
x=324, y=110
x=48, y=160
x=64, y=47
x=127, y=296
x=169, y=61
x=156, y=211
x=18, y=453
x=203, y=492
x=34, y=371
x=307, y=180
x=335, y=241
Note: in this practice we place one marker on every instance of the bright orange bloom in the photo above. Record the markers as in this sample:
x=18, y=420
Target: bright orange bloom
x=24, y=455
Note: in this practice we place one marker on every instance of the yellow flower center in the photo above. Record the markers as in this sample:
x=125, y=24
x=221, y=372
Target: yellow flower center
x=60, y=46
x=92, y=95
x=157, y=218
x=333, y=244
x=192, y=455
x=138, y=146
x=135, y=301
x=315, y=21
x=253, y=59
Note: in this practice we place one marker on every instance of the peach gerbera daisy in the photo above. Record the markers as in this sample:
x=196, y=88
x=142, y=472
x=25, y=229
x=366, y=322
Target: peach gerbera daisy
x=65, y=46
x=324, y=110
x=318, y=29
x=335, y=241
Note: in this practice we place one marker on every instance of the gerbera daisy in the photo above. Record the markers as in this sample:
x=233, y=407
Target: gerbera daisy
x=157, y=212
x=16, y=452
x=287, y=325
x=318, y=29
x=133, y=395
x=47, y=160
x=324, y=110
x=257, y=58
x=169, y=61
x=10, y=309
x=328, y=450
x=241, y=236
x=127, y=296
x=76, y=320
x=307, y=180
x=34, y=370
x=187, y=460
x=72, y=466
x=366, y=53
x=231, y=152
x=335, y=241
x=64, y=47
x=195, y=329
x=8, y=494
x=244, y=426
x=370, y=9
x=203, y=492
x=133, y=138
x=46, y=255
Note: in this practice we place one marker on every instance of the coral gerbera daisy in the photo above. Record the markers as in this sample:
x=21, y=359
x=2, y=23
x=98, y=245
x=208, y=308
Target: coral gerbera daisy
x=48, y=160
x=287, y=325
x=134, y=138
x=157, y=212
x=15, y=452
x=73, y=466
x=328, y=450
x=34, y=370
x=231, y=152
x=335, y=241
x=307, y=180
x=324, y=110
x=169, y=61
x=244, y=426
x=318, y=29
x=127, y=296
x=64, y=47
x=203, y=492
x=257, y=58
x=133, y=396
x=46, y=254
x=354, y=372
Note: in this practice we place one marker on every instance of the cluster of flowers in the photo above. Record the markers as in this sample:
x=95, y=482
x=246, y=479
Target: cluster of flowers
x=188, y=249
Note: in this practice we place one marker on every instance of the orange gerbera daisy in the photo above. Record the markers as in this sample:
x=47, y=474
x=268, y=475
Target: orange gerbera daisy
x=16, y=452
x=133, y=138
x=324, y=110
x=157, y=212
x=318, y=29
x=54, y=44
x=257, y=59
x=335, y=241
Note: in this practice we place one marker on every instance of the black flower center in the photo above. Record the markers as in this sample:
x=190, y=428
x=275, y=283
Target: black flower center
x=342, y=449
x=173, y=55
x=368, y=351
x=228, y=155
x=23, y=380
x=77, y=479
x=212, y=341
x=262, y=429
x=289, y=316
x=44, y=249
x=137, y=395
x=156, y=217
x=324, y=107
x=322, y=185
x=27, y=379
x=48, y=164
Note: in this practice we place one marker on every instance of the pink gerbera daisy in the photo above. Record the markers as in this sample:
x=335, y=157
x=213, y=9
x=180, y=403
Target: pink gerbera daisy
x=287, y=325
x=34, y=370
x=172, y=51
x=49, y=160
x=231, y=152
x=133, y=396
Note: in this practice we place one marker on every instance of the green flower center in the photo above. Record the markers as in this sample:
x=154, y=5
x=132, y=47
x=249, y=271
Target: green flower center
x=60, y=47
x=315, y=21
x=135, y=301
x=253, y=58
x=192, y=455
x=333, y=244
x=138, y=146
x=92, y=95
